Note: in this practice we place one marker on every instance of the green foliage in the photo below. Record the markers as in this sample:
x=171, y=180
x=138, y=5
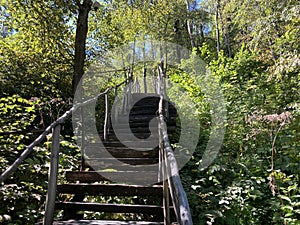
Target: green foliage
x=37, y=55
x=23, y=195
x=241, y=187
x=35, y=81
x=254, y=180
x=20, y=198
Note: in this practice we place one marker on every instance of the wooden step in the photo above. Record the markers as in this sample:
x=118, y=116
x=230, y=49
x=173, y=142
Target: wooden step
x=140, y=118
x=110, y=162
x=126, y=128
x=149, y=109
x=140, y=177
x=141, y=144
x=110, y=189
x=145, y=97
x=109, y=208
x=144, y=130
x=150, y=96
x=124, y=148
x=129, y=136
x=130, y=174
x=116, y=143
x=122, y=123
x=103, y=222
x=127, y=133
x=96, y=151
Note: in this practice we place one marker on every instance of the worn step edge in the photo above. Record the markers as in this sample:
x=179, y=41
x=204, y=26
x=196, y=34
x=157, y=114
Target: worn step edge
x=127, y=177
x=103, y=222
x=110, y=162
x=110, y=189
x=143, y=124
x=109, y=208
x=98, y=152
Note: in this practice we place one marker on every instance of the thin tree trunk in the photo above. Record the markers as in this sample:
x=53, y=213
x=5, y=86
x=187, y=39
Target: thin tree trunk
x=80, y=41
x=224, y=32
x=217, y=5
x=188, y=24
x=201, y=32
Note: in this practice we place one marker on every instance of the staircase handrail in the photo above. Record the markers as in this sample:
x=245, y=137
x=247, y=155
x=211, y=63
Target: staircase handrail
x=170, y=172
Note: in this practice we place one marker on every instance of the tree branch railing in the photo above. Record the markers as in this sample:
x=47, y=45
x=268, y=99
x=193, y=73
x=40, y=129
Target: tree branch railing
x=168, y=165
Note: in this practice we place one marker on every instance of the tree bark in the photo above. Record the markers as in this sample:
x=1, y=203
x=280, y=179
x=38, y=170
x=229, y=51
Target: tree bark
x=224, y=32
x=217, y=5
x=201, y=32
x=187, y=4
x=80, y=41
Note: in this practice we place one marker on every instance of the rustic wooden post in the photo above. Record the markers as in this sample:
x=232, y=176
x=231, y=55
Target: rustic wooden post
x=116, y=109
x=166, y=193
x=163, y=176
x=106, y=121
x=137, y=87
x=160, y=156
x=124, y=100
x=129, y=92
x=163, y=157
x=165, y=96
x=82, y=145
x=145, y=69
x=52, y=177
x=145, y=80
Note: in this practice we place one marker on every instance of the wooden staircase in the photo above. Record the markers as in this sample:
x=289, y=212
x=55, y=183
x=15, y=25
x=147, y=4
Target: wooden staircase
x=125, y=178
x=129, y=191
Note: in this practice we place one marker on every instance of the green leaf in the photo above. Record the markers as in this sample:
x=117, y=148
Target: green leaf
x=285, y=198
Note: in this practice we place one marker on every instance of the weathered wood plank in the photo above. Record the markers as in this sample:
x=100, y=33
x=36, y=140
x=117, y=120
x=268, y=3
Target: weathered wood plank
x=96, y=151
x=103, y=222
x=139, y=130
x=149, y=109
x=110, y=189
x=126, y=176
x=110, y=208
x=110, y=162
x=140, y=118
x=114, y=143
x=171, y=123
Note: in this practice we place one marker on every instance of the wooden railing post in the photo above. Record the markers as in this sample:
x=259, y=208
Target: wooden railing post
x=163, y=157
x=166, y=194
x=106, y=121
x=116, y=108
x=136, y=86
x=145, y=80
x=129, y=92
x=52, y=179
x=82, y=144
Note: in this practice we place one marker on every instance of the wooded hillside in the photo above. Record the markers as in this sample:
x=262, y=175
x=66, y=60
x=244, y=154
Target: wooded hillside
x=252, y=49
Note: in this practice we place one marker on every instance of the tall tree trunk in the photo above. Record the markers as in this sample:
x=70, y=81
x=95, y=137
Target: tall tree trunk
x=201, y=32
x=225, y=33
x=188, y=24
x=217, y=6
x=80, y=41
